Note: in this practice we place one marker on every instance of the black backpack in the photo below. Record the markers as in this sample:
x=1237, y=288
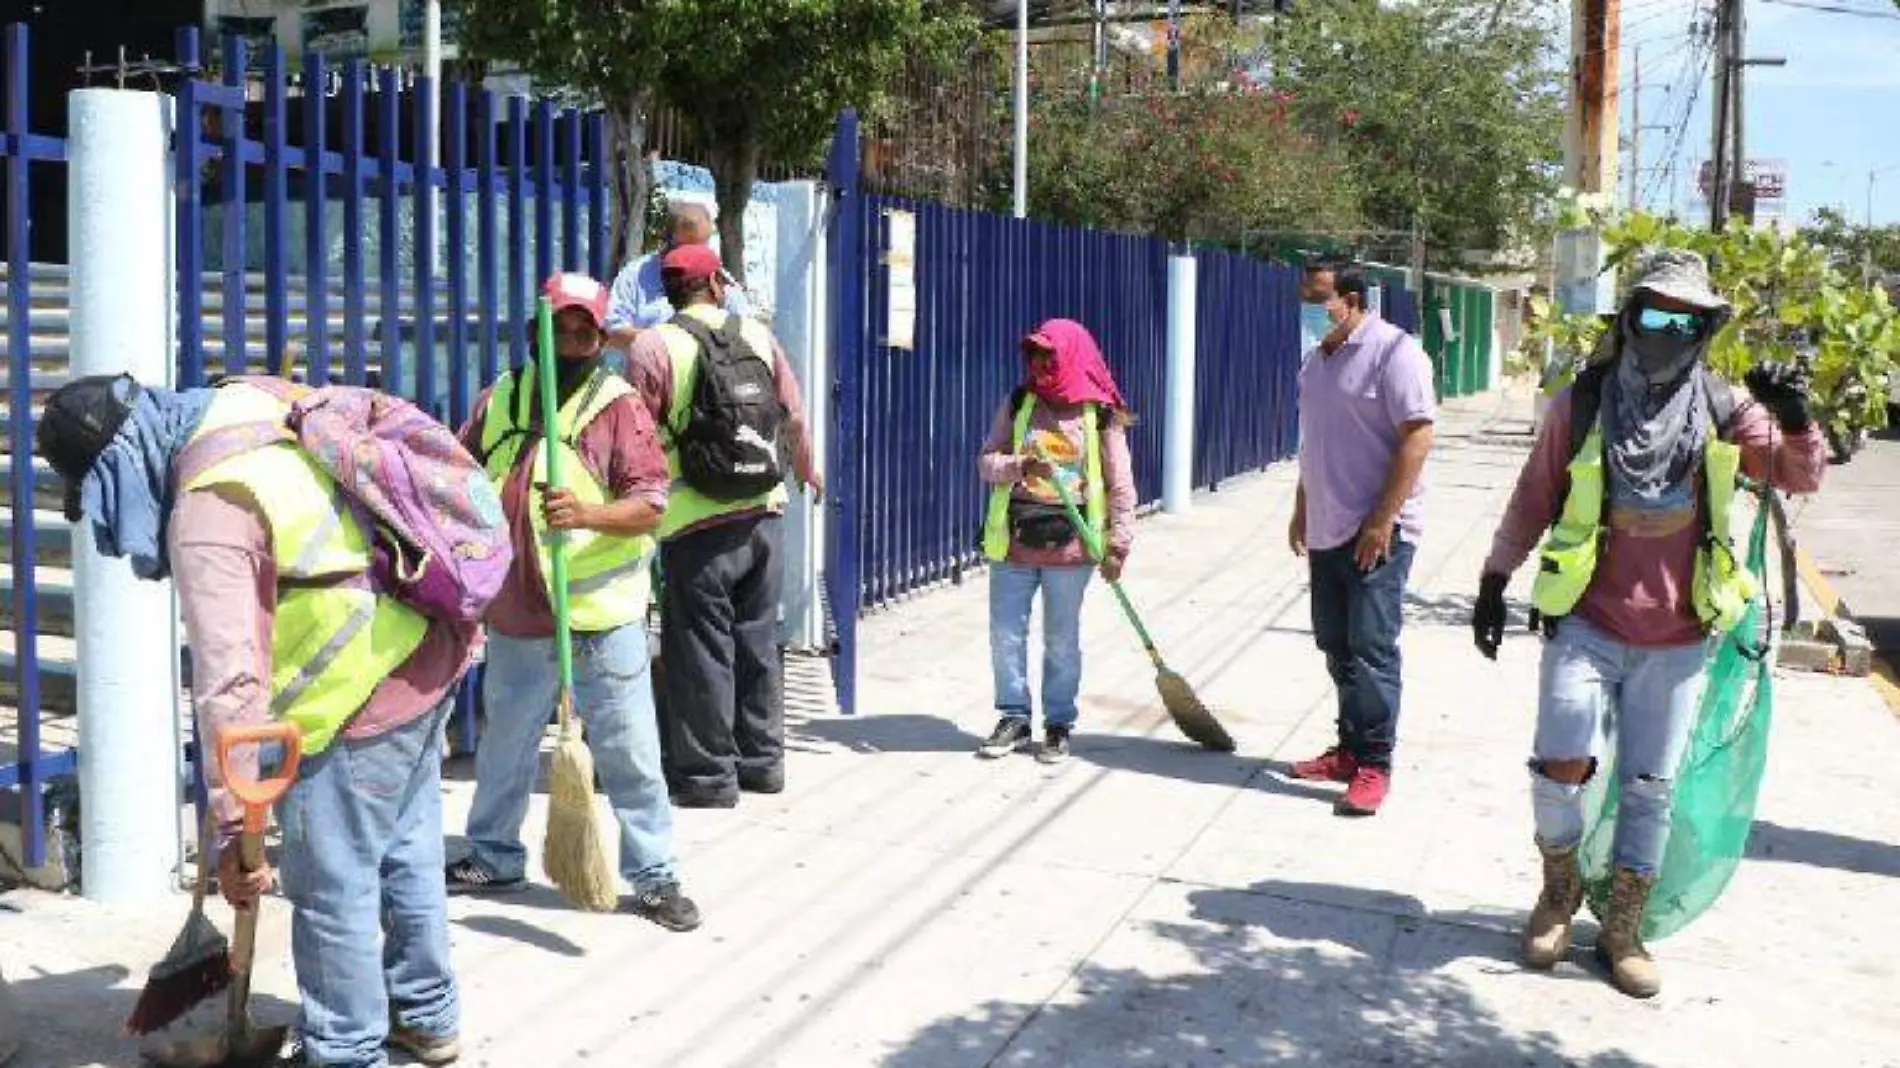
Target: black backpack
x=730, y=447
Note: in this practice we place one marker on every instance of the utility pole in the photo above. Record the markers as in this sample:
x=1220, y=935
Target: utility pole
x=1591, y=133
x=1022, y=109
x=1720, y=114
x=1098, y=51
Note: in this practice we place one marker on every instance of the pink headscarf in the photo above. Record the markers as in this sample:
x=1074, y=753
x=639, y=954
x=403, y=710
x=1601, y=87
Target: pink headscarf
x=1077, y=374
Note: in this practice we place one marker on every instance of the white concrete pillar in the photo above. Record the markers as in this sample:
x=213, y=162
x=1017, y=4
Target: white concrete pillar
x=1177, y=459
x=119, y=218
x=800, y=325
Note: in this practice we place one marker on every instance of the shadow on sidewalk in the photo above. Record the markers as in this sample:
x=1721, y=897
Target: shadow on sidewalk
x=1278, y=977
x=1823, y=849
x=907, y=733
x=527, y=934
x=73, y=1019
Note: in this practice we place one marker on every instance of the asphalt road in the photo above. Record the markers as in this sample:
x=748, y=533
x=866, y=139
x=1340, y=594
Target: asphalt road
x=1852, y=530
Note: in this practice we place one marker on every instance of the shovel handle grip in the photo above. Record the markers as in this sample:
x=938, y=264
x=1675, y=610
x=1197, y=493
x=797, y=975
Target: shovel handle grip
x=259, y=795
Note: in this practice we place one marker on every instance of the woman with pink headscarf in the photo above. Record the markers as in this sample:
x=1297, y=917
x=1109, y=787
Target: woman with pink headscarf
x=1067, y=420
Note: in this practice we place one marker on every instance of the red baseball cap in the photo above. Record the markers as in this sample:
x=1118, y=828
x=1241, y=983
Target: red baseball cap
x=692, y=263
x=569, y=290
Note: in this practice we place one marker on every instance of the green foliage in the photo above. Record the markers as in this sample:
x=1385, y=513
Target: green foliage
x=1789, y=299
x=1451, y=112
x=1855, y=248
x=1201, y=164
x=756, y=79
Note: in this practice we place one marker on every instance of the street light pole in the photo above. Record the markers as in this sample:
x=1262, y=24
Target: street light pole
x=432, y=100
x=1022, y=109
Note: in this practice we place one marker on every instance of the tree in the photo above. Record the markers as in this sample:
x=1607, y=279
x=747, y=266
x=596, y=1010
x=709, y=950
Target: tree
x=1203, y=164
x=1452, y=112
x=609, y=53
x=761, y=79
x=1854, y=248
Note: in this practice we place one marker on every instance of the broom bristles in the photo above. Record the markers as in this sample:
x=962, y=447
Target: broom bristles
x=1195, y=719
x=574, y=857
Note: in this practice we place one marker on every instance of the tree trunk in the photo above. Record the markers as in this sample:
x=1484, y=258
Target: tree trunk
x=735, y=166
x=632, y=180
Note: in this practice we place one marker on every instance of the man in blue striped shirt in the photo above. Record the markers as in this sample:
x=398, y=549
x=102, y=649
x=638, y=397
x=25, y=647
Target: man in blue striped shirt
x=639, y=298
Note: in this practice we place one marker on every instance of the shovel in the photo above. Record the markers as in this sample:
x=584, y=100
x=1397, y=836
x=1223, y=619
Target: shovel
x=239, y=1044
x=1193, y=718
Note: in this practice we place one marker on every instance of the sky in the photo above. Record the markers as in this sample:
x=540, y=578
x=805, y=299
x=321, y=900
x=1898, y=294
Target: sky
x=1833, y=113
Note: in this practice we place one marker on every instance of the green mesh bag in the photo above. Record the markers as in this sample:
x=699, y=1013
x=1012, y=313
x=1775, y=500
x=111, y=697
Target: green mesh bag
x=1717, y=785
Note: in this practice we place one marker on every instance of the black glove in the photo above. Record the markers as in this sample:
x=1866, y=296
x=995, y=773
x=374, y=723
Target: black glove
x=1782, y=388
x=1487, y=615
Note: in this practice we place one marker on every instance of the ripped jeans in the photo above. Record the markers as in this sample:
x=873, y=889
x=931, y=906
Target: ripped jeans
x=1595, y=688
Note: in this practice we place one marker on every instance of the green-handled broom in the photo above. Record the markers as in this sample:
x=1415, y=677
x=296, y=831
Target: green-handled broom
x=575, y=860
x=1193, y=718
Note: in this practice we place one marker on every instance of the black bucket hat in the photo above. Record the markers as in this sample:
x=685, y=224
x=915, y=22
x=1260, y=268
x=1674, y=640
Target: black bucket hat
x=81, y=419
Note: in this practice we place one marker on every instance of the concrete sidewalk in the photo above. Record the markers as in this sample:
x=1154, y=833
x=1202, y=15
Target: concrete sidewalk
x=1150, y=904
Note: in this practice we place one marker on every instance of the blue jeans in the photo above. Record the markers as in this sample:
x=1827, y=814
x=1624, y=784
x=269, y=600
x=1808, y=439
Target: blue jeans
x=1012, y=593
x=1357, y=616
x=1593, y=686
x=613, y=695
x=362, y=868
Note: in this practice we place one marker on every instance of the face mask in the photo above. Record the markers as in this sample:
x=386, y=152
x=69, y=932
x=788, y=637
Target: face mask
x=1316, y=321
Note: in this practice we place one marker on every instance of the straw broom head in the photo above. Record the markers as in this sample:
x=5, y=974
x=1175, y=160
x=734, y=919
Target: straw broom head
x=1195, y=719
x=576, y=861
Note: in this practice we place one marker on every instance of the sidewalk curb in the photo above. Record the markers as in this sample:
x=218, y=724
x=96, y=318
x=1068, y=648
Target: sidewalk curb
x=1882, y=677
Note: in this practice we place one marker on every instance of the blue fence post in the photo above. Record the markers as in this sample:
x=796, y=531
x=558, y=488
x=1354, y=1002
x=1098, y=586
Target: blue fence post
x=544, y=190
x=458, y=253
x=26, y=627
x=842, y=567
x=573, y=257
x=423, y=200
x=355, y=154
x=389, y=115
x=517, y=231
x=316, y=202
x=276, y=227
x=235, y=207
x=188, y=157
x=600, y=240
x=486, y=258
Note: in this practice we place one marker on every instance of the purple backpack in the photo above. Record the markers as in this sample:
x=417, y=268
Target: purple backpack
x=439, y=540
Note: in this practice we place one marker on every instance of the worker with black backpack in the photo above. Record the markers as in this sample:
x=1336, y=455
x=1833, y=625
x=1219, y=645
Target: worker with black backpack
x=1629, y=488
x=730, y=415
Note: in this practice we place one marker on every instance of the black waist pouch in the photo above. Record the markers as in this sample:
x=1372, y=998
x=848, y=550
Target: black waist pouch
x=1039, y=526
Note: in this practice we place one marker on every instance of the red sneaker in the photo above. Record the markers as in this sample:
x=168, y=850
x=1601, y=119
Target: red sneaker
x=1366, y=794
x=1334, y=765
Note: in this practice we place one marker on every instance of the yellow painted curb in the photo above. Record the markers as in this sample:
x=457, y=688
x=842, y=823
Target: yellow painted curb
x=1882, y=679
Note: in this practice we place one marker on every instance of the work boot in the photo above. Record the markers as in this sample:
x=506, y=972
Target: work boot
x=1334, y=765
x=1620, y=944
x=425, y=1048
x=1011, y=733
x=1547, y=934
x=1366, y=794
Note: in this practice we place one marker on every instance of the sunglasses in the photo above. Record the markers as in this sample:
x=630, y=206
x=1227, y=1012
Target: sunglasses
x=1658, y=322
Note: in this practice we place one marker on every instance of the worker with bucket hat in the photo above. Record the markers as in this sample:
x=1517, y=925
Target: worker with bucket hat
x=298, y=633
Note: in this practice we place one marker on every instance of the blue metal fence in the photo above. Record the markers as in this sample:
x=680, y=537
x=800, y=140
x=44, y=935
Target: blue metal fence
x=428, y=340
x=1246, y=365
x=20, y=149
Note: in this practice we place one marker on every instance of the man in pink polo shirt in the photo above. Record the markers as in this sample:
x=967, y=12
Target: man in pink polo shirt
x=1366, y=412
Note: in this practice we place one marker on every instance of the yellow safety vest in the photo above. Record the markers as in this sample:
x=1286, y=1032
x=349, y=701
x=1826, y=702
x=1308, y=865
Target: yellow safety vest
x=607, y=579
x=996, y=522
x=686, y=506
x=333, y=641
x=1723, y=586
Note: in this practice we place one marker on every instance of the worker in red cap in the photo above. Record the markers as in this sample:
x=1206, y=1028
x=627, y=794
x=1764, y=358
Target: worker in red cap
x=614, y=500
x=720, y=388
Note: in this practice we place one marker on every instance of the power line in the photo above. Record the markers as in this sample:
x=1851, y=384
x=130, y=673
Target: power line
x=1835, y=9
